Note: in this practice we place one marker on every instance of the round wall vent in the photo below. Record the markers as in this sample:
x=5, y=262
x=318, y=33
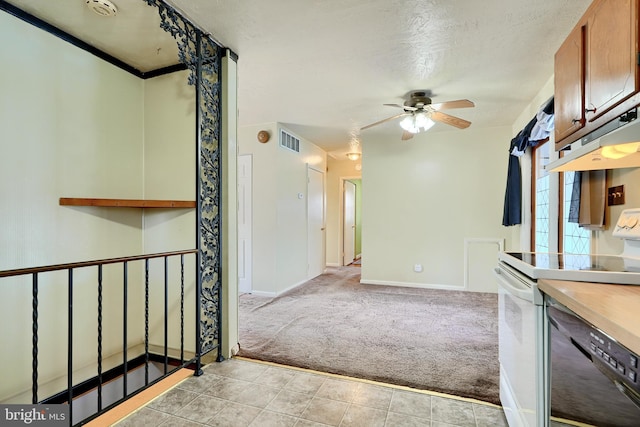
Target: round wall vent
x=102, y=7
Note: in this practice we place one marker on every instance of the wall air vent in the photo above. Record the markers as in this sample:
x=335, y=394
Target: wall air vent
x=289, y=141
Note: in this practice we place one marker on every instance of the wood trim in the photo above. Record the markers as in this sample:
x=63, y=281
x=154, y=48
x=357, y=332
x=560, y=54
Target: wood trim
x=141, y=399
x=127, y=203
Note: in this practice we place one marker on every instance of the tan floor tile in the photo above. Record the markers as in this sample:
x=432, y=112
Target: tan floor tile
x=238, y=369
x=257, y=395
x=373, y=396
x=200, y=384
x=325, y=411
x=402, y=420
x=228, y=388
x=144, y=417
x=234, y=415
x=202, y=409
x=414, y=404
x=306, y=383
x=341, y=390
x=306, y=423
x=361, y=416
x=290, y=403
x=275, y=377
x=452, y=412
x=173, y=400
x=488, y=416
x=273, y=419
x=179, y=422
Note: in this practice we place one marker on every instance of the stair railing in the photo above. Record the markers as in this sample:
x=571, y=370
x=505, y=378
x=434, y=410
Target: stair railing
x=69, y=394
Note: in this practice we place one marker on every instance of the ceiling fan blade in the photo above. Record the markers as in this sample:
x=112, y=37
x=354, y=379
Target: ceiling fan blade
x=406, y=135
x=385, y=120
x=460, y=103
x=404, y=107
x=450, y=120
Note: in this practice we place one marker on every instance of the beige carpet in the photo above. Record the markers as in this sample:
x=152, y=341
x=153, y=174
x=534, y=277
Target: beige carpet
x=444, y=341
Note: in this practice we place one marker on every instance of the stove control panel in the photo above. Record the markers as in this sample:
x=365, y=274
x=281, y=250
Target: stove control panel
x=628, y=225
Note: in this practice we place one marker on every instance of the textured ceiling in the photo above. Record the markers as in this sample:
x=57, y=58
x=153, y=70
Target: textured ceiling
x=325, y=67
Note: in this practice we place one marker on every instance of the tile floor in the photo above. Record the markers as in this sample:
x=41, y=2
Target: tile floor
x=239, y=392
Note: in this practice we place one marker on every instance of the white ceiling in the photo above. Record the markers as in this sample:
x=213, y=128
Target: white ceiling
x=325, y=67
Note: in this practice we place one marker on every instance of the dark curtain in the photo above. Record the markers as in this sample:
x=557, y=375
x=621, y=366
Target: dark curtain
x=513, y=195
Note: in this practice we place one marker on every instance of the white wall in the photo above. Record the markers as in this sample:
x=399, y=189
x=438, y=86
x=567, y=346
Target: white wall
x=72, y=125
x=423, y=198
x=279, y=218
x=169, y=173
x=604, y=242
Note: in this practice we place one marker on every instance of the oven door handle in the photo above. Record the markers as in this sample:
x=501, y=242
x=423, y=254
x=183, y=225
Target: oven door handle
x=513, y=286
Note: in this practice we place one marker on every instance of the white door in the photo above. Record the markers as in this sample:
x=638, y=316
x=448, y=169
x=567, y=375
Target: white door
x=244, y=222
x=315, y=222
x=349, y=229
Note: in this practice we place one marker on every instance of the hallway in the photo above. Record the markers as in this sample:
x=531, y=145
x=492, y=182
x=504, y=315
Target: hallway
x=240, y=392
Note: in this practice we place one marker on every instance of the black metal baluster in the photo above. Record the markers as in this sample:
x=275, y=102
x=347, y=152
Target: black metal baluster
x=34, y=339
x=199, y=269
x=146, y=321
x=166, y=314
x=181, y=309
x=99, y=337
x=70, y=347
x=124, y=329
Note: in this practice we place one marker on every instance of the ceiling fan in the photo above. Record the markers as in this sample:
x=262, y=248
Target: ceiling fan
x=420, y=114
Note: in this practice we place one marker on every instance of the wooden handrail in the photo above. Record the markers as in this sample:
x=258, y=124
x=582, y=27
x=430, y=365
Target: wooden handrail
x=56, y=267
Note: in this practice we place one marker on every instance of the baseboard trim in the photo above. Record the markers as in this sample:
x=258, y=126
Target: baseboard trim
x=411, y=285
x=333, y=264
x=277, y=294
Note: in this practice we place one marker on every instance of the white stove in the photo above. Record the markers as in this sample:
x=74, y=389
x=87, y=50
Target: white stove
x=621, y=269
x=524, y=388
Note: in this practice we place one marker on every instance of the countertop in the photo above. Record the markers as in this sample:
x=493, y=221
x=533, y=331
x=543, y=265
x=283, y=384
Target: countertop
x=614, y=309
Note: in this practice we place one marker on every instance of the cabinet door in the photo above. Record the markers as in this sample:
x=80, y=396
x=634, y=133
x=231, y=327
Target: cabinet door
x=612, y=71
x=569, y=85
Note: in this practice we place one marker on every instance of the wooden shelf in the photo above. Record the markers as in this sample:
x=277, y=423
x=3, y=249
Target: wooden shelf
x=127, y=203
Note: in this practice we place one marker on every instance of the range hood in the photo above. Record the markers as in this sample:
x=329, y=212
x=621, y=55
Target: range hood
x=616, y=148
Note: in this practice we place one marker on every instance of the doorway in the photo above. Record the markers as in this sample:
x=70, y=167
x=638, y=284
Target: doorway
x=349, y=225
x=315, y=223
x=351, y=221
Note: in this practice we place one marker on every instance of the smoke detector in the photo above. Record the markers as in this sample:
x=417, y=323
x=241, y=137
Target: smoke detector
x=102, y=7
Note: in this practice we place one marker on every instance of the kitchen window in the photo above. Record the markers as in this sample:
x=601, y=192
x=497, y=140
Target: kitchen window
x=545, y=206
x=540, y=196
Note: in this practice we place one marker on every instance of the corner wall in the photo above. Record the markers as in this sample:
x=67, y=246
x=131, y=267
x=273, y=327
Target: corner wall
x=280, y=214
x=422, y=199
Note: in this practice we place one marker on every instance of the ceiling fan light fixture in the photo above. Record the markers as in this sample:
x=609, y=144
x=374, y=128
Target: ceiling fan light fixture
x=353, y=156
x=409, y=124
x=415, y=122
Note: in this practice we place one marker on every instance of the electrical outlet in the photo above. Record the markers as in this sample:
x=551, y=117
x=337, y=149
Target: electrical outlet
x=417, y=268
x=615, y=195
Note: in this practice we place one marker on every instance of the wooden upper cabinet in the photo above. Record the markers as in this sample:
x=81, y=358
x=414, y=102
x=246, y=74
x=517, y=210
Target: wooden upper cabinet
x=597, y=75
x=612, y=69
x=569, y=85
